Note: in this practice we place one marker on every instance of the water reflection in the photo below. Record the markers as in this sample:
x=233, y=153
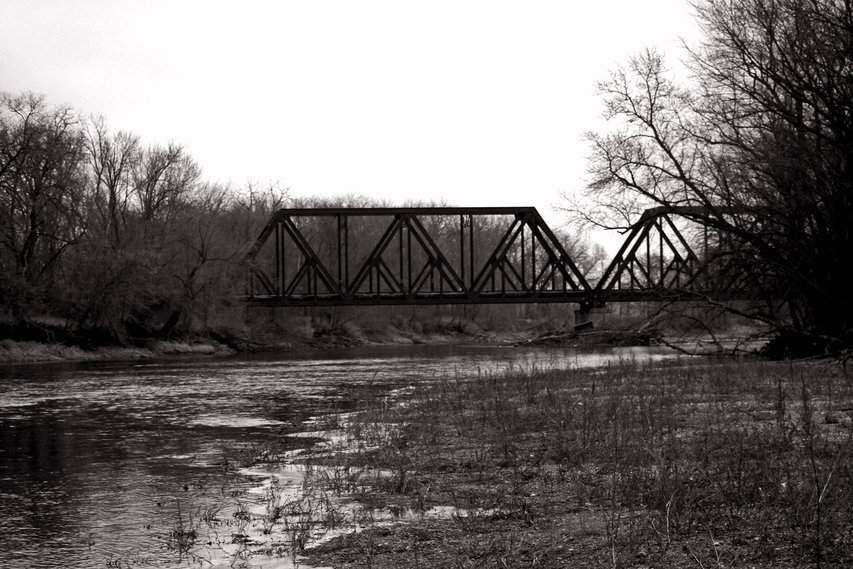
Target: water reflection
x=94, y=458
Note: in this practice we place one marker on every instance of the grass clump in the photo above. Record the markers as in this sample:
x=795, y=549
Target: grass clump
x=691, y=463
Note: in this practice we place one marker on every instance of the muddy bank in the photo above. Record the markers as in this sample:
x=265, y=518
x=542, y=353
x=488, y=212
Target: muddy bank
x=22, y=351
x=44, y=343
x=49, y=342
x=218, y=344
x=12, y=351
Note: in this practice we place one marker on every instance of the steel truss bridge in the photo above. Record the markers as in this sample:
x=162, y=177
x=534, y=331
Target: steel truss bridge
x=452, y=255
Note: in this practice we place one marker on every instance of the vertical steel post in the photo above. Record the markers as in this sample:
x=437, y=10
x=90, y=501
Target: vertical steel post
x=400, y=247
x=462, y=248
x=660, y=250
x=284, y=260
x=346, y=254
x=523, y=265
x=533, y=257
x=340, y=251
x=279, y=269
x=409, y=258
x=471, y=247
x=649, y=260
x=706, y=258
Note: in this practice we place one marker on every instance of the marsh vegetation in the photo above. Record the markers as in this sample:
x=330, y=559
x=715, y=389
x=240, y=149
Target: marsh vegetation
x=686, y=463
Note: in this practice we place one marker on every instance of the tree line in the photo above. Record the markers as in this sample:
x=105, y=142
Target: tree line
x=756, y=144
x=100, y=232
x=111, y=240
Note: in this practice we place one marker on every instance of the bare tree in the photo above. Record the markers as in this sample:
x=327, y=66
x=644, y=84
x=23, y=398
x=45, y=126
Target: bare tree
x=41, y=185
x=113, y=158
x=762, y=140
x=206, y=252
x=162, y=178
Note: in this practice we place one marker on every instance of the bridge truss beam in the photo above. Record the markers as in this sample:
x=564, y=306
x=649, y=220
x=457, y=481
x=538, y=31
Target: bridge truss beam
x=451, y=255
x=439, y=255
x=670, y=254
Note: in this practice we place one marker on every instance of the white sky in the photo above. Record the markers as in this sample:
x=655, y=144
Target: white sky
x=472, y=102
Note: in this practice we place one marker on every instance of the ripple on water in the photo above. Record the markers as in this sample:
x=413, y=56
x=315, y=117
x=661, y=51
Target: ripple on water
x=234, y=421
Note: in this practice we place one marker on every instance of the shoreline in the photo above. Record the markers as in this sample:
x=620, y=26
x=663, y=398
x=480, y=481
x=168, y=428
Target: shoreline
x=28, y=352
x=23, y=351
x=14, y=352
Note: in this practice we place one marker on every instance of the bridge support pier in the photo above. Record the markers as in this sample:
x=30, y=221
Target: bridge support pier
x=590, y=316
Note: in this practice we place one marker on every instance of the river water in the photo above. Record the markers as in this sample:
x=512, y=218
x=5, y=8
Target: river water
x=98, y=459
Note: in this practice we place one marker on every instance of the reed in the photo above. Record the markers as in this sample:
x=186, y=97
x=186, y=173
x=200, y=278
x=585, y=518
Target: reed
x=694, y=462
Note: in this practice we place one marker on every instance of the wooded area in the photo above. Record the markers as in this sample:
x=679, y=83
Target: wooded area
x=759, y=139
x=109, y=236
x=106, y=240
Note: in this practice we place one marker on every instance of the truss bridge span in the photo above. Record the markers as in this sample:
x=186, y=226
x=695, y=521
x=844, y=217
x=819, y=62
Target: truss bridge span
x=451, y=255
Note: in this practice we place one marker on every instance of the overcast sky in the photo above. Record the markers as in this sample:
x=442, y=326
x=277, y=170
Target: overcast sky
x=470, y=102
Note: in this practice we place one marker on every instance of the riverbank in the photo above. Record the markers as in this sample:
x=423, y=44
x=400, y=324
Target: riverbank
x=683, y=464
x=56, y=344
x=23, y=351
x=12, y=351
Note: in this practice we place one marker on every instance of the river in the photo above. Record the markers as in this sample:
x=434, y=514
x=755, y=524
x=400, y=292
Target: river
x=101, y=461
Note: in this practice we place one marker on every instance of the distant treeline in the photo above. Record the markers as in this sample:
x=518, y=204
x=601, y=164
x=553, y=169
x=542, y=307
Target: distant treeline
x=100, y=233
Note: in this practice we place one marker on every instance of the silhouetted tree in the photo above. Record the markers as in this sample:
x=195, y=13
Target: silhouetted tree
x=113, y=159
x=41, y=188
x=761, y=139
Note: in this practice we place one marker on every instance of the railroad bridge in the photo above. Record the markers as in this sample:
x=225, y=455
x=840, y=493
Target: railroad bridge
x=451, y=255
